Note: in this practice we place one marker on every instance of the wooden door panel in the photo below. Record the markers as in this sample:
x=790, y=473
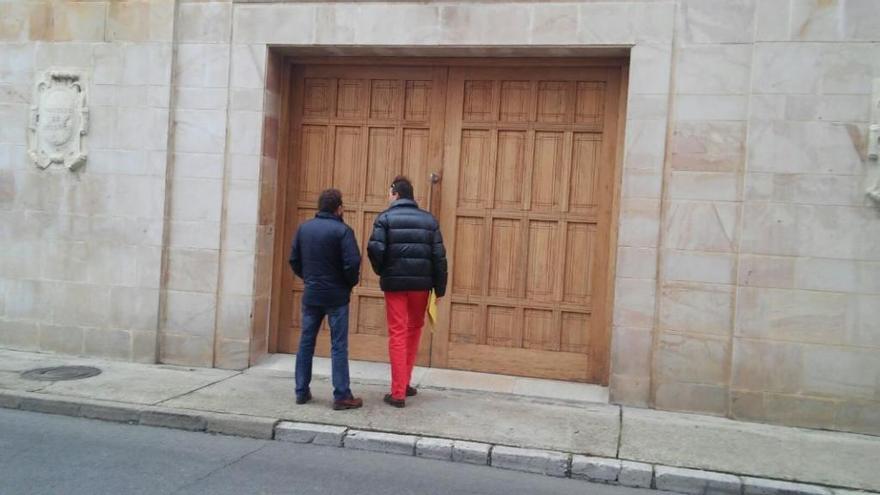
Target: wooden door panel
x=355, y=128
x=529, y=153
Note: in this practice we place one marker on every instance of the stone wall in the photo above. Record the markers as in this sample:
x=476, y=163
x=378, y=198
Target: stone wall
x=80, y=252
x=748, y=260
x=770, y=257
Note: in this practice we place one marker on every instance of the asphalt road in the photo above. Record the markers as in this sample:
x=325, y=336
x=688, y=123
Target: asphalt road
x=44, y=454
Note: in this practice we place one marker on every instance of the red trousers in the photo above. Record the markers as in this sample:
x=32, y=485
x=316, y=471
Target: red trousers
x=405, y=312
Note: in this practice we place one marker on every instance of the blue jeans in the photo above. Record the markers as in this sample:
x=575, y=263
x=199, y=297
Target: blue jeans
x=312, y=316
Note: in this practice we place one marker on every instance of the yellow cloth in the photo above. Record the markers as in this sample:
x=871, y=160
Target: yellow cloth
x=432, y=308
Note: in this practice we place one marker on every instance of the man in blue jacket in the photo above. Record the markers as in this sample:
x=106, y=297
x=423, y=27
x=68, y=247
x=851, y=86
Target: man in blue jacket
x=326, y=256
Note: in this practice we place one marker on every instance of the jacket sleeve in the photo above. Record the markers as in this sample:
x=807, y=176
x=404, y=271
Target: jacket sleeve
x=351, y=258
x=378, y=244
x=438, y=258
x=296, y=256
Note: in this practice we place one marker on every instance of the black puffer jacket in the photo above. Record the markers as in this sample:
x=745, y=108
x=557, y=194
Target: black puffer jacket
x=406, y=249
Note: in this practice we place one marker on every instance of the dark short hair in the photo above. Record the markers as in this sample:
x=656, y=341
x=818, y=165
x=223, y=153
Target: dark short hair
x=403, y=187
x=330, y=200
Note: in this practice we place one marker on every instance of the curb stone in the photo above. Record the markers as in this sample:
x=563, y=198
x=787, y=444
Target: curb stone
x=49, y=406
x=635, y=474
x=170, y=418
x=471, y=452
x=289, y=431
x=695, y=482
x=762, y=486
x=598, y=469
x=531, y=460
x=389, y=443
x=241, y=425
x=434, y=448
x=118, y=414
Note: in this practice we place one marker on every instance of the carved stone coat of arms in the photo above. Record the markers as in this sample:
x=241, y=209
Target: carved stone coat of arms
x=59, y=120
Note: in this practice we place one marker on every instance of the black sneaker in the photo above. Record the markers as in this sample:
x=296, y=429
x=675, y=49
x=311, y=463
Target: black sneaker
x=411, y=391
x=302, y=399
x=391, y=401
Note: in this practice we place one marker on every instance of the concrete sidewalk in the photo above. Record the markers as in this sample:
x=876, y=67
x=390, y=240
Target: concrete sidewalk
x=530, y=414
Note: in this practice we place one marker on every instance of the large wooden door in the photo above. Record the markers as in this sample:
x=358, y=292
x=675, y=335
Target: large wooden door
x=355, y=128
x=528, y=186
x=527, y=156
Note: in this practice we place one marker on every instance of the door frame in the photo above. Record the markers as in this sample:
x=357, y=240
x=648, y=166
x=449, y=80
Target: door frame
x=285, y=165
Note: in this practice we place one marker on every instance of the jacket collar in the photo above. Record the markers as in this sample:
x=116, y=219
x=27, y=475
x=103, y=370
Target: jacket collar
x=404, y=202
x=324, y=214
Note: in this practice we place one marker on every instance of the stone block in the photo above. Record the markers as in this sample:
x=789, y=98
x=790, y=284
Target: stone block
x=281, y=23
x=635, y=474
x=287, y=431
x=639, y=223
x=388, y=443
x=634, y=304
x=713, y=69
x=249, y=67
x=471, y=452
x=531, y=460
x=625, y=22
x=691, y=359
x=598, y=469
x=631, y=351
x=635, y=262
x=434, y=448
x=180, y=420
x=186, y=350
x=202, y=66
x=191, y=313
x=205, y=22
x=481, y=24
x=761, y=486
x=701, y=226
x=692, y=397
x=696, y=308
x=119, y=414
x=112, y=344
x=651, y=64
x=49, y=406
x=695, y=482
x=240, y=425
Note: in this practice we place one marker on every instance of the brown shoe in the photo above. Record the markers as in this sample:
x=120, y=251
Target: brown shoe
x=391, y=401
x=411, y=391
x=349, y=403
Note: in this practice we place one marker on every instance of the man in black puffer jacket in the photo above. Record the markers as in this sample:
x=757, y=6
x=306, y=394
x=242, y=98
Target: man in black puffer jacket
x=406, y=251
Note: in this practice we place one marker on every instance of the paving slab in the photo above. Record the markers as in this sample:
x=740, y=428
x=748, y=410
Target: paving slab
x=718, y=444
x=474, y=416
x=12, y=380
x=125, y=382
